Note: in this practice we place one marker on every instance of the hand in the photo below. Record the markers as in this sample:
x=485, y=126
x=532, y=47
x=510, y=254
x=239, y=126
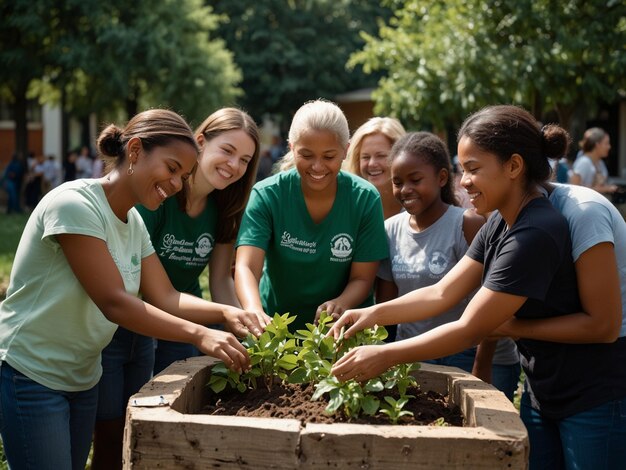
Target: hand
x=357, y=320
x=332, y=308
x=225, y=347
x=242, y=322
x=361, y=363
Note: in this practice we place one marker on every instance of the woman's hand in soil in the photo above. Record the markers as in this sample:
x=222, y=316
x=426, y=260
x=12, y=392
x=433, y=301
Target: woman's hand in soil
x=242, y=322
x=225, y=347
x=361, y=363
x=356, y=320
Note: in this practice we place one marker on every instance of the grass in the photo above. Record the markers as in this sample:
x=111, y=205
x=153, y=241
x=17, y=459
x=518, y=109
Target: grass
x=11, y=227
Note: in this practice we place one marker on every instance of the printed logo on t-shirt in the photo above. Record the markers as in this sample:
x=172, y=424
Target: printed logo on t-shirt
x=438, y=262
x=204, y=245
x=341, y=247
x=403, y=268
x=296, y=244
x=130, y=269
x=191, y=253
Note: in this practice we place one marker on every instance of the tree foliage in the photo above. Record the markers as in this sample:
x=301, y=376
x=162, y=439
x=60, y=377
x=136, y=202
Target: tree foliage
x=296, y=50
x=443, y=60
x=93, y=56
x=163, y=54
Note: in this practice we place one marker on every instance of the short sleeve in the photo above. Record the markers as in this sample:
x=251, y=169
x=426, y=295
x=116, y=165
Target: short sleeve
x=372, y=242
x=584, y=167
x=526, y=264
x=71, y=213
x=256, y=223
x=593, y=225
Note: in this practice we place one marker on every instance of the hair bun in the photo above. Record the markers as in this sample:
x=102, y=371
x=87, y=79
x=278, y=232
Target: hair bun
x=555, y=141
x=110, y=141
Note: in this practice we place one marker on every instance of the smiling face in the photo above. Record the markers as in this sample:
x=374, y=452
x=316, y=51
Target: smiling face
x=373, y=161
x=159, y=173
x=484, y=177
x=417, y=184
x=318, y=158
x=224, y=159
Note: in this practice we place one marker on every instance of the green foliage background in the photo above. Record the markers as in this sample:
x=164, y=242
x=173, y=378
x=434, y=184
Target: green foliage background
x=443, y=60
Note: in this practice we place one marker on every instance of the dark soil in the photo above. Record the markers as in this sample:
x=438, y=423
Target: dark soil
x=294, y=401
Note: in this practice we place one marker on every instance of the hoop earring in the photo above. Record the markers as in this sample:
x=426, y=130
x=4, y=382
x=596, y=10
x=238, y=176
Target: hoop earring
x=130, y=170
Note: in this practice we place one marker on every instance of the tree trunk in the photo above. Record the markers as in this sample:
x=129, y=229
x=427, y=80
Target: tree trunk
x=21, y=124
x=565, y=112
x=65, y=125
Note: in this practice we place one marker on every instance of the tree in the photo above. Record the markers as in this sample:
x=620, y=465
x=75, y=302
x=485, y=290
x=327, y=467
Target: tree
x=22, y=51
x=293, y=51
x=162, y=54
x=92, y=56
x=443, y=60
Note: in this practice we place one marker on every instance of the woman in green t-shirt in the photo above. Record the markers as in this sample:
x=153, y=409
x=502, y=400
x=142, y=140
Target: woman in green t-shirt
x=312, y=236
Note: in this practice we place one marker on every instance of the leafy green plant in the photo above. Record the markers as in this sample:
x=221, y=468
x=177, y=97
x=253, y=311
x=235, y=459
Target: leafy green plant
x=307, y=357
x=272, y=356
x=394, y=408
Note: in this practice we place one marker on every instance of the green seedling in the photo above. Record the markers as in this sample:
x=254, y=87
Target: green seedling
x=394, y=408
x=307, y=357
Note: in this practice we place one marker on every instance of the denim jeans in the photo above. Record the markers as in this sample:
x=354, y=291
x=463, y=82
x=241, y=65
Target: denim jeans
x=592, y=439
x=504, y=377
x=127, y=363
x=43, y=428
x=168, y=352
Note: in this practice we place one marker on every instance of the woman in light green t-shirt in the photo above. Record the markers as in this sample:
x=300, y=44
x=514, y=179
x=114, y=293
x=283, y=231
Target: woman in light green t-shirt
x=312, y=236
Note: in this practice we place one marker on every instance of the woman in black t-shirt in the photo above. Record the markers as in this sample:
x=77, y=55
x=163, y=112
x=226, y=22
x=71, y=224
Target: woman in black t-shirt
x=521, y=260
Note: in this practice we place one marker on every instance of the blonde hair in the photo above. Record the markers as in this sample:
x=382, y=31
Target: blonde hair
x=391, y=128
x=316, y=115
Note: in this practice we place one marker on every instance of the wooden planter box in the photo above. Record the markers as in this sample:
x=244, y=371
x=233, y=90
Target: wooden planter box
x=164, y=432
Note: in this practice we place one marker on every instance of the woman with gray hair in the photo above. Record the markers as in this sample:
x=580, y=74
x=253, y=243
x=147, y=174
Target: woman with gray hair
x=312, y=236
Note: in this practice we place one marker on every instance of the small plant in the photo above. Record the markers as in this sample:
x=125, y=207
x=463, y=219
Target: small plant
x=307, y=357
x=272, y=356
x=394, y=408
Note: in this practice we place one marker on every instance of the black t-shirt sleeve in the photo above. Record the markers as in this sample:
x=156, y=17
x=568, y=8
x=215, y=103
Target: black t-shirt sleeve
x=476, y=250
x=526, y=263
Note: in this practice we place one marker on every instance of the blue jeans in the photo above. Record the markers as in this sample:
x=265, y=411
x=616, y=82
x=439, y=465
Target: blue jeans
x=592, y=439
x=168, y=352
x=43, y=428
x=504, y=377
x=13, y=199
x=127, y=363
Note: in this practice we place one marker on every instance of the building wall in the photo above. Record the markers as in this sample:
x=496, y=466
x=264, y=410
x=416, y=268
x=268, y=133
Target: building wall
x=7, y=141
